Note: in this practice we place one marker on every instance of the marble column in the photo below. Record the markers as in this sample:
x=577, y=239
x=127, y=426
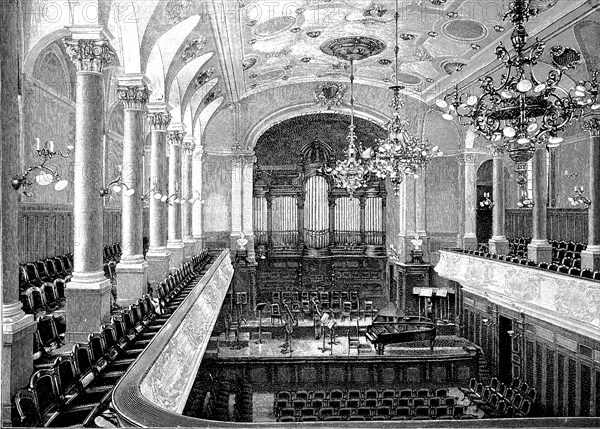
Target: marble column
x=89, y=292
x=236, y=200
x=421, y=210
x=498, y=243
x=17, y=327
x=539, y=250
x=174, y=241
x=408, y=219
x=470, y=184
x=590, y=257
x=198, y=207
x=132, y=269
x=248, y=211
x=158, y=256
x=189, y=244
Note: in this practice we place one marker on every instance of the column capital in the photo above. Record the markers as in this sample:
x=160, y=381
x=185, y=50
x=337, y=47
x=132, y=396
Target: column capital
x=466, y=157
x=133, y=96
x=89, y=55
x=159, y=121
x=176, y=137
x=592, y=125
x=188, y=145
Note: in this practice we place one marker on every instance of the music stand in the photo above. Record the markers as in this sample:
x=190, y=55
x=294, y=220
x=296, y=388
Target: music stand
x=324, y=321
x=259, y=308
x=331, y=324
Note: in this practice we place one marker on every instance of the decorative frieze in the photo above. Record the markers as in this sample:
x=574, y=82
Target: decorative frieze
x=466, y=157
x=592, y=126
x=89, y=55
x=176, y=137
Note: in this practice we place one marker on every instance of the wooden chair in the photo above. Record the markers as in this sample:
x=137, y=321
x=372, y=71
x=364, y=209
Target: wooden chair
x=275, y=312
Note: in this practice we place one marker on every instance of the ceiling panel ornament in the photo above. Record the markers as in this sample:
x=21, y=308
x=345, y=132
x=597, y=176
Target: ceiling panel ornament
x=451, y=67
x=353, y=47
x=465, y=30
x=203, y=77
x=330, y=94
x=177, y=10
x=213, y=95
x=193, y=49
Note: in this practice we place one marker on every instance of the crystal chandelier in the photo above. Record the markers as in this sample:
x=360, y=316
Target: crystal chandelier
x=400, y=153
x=523, y=111
x=350, y=173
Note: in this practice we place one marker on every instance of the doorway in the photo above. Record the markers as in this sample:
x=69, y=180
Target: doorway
x=484, y=212
x=505, y=350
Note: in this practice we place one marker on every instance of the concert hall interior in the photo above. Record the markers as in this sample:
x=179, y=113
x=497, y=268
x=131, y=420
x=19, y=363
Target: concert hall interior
x=262, y=213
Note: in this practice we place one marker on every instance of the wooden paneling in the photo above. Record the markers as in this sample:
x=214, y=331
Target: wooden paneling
x=563, y=224
x=47, y=230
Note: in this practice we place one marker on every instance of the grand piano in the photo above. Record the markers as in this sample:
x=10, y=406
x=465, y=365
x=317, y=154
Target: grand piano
x=407, y=329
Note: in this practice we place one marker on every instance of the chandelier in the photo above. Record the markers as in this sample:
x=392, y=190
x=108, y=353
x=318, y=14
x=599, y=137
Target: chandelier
x=523, y=111
x=401, y=153
x=351, y=172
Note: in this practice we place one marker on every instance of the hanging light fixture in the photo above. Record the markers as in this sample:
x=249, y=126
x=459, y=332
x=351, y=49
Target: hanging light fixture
x=350, y=173
x=523, y=111
x=400, y=153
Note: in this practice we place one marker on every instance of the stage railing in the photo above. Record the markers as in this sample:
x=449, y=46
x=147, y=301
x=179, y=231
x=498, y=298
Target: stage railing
x=155, y=389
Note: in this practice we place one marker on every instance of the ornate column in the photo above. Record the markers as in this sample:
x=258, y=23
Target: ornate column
x=236, y=199
x=187, y=151
x=590, y=257
x=247, y=213
x=17, y=327
x=468, y=159
x=498, y=243
x=197, y=218
x=174, y=241
x=132, y=269
x=158, y=256
x=88, y=295
x=539, y=250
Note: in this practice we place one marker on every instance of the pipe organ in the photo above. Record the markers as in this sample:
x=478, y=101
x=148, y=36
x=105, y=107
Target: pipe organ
x=297, y=209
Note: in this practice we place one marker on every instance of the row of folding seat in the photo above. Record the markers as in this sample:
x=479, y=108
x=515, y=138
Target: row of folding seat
x=58, y=268
x=74, y=388
x=48, y=336
x=359, y=394
x=498, y=400
x=112, y=252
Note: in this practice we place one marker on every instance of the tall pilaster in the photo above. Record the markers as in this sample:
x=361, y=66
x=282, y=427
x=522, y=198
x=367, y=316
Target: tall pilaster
x=407, y=219
x=498, y=243
x=174, y=241
x=198, y=207
x=132, y=269
x=187, y=151
x=421, y=210
x=590, y=257
x=539, y=250
x=88, y=294
x=158, y=256
x=469, y=159
x=236, y=199
x=247, y=213
x=17, y=327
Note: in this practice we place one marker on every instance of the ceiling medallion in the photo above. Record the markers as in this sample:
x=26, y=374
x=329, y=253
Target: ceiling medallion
x=330, y=94
x=432, y=34
x=287, y=67
x=407, y=36
x=451, y=67
x=295, y=30
x=499, y=28
x=313, y=34
x=475, y=46
x=452, y=14
x=192, y=49
x=251, y=41
x=254, y=85
x=300, y=11
x=437, y=2
x=375, y=10
x=249, y=63
x=251, y=23
x=203, y=77
x=386, y=79
x=353, y=47
x=305, y=59
x=285, y=77
x=253, y=76
x=274, y=26
x=385, y=62
x=429, y=80
x=340, y=66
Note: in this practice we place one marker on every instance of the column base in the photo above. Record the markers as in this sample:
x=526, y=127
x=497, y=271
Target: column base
x=590, y=258
x=159, y=261
x=132, y=281
x=499, y=245
x=88, y=305
x=189, y=246
x=17, y=360
x=177, y=249
x=469, y=241
x=540, y=251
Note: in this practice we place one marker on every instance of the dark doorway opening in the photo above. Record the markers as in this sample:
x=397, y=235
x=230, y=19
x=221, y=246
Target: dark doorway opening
x=505, y=350
x=484, y=212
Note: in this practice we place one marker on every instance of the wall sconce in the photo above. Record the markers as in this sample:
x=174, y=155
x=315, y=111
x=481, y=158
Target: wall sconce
x=487, y=322
x=175, y=197
x=157, y=195
x=525, y=202
x=486, y=202
x=47, y=175
x=578, y=198
x=569, y=175
x=514, y=335
x=117, y=186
